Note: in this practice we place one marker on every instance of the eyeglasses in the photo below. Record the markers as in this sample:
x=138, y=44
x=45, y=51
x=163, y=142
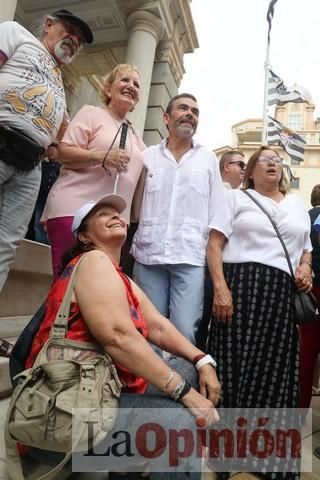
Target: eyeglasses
x=275, y=159
x=240, y=164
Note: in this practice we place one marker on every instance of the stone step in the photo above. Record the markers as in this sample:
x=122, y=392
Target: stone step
x=28, y=281
x=5, y=382
x=11, y=327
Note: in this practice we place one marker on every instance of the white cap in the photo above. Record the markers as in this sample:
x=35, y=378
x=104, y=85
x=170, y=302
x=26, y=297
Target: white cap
x=111, y=200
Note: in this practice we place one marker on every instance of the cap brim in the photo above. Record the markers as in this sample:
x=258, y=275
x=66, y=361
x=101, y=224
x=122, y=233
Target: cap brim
x=112, y=200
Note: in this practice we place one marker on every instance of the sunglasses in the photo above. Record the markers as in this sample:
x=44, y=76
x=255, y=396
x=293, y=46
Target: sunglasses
x=240, y=164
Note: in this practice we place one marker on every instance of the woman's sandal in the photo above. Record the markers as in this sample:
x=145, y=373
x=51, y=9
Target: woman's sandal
x=142, y=473
x=126, y=476
x=315, y=391
x=316, y=452
x=5, y=348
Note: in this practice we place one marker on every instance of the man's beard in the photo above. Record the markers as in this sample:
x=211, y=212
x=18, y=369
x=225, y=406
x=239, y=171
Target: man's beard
x=185, y=131
x=63, y=54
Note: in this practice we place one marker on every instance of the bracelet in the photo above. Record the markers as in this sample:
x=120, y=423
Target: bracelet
x=308, y=263
x=198, y=357
x=166, y=385
x=186, y=389
x=175, y=394
x=207, y=359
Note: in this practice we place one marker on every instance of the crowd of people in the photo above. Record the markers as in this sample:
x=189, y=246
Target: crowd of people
x=211, y=287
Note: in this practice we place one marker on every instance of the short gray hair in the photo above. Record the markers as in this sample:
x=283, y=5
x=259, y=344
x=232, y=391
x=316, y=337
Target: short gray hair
x=39, y=26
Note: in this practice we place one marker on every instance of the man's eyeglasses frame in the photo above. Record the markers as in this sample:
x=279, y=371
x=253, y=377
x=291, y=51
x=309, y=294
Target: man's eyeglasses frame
x=240, y=164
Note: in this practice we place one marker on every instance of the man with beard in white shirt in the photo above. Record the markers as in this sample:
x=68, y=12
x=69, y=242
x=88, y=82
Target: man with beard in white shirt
x=32, y=111
x=183, y=188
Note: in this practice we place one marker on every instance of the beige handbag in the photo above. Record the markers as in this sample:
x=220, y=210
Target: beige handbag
x=70, y=383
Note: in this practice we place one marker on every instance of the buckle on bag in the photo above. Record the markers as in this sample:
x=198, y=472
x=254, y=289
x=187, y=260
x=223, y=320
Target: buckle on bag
x=88, y=371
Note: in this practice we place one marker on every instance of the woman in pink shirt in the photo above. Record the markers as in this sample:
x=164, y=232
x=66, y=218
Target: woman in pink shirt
x=92, y=158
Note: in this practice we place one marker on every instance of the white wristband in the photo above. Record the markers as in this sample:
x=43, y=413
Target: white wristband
x=205, y=361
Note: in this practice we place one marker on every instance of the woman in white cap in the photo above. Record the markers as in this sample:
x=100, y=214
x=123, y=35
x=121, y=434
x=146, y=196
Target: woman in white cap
x=109, y=308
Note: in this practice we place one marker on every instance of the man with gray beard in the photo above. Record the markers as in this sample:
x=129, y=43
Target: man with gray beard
x=182, y=190
x=32, y=111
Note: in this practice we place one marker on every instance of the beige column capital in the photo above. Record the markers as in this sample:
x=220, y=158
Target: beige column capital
x=141, y=20
x=7, y=10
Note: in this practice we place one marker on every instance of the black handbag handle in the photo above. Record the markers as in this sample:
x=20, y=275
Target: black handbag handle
x=276, y=230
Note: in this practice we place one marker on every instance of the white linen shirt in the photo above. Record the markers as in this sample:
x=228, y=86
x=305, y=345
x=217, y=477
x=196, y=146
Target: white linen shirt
x=178, y=204
x=251, y=236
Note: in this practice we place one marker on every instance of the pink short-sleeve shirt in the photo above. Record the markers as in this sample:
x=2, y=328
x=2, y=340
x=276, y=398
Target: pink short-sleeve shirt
x=93, y=128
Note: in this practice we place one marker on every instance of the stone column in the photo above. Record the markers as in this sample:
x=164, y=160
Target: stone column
x=166, y=77
x=145, y=30
x=7, y=9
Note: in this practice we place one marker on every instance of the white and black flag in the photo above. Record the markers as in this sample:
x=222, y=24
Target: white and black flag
x=279, y=94
x=290, y=141
x=270, y=13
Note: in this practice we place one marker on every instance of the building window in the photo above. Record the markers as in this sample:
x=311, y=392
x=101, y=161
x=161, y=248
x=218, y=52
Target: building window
x=295, y=183
x=295, y=121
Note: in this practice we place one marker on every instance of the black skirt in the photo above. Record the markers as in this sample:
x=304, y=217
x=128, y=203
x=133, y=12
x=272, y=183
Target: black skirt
x=258, y=353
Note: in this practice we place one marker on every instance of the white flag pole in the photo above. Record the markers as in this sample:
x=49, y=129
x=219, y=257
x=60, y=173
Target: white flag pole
x=264, y=139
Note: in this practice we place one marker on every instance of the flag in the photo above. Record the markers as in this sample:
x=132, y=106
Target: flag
x=278, y=94
x=270, y=13
x=292, y=143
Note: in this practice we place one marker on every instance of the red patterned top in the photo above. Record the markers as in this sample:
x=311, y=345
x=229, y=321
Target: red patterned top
x=78, y=330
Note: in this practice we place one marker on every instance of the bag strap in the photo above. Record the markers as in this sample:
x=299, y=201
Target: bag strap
x=59, y=327
x=275, y=228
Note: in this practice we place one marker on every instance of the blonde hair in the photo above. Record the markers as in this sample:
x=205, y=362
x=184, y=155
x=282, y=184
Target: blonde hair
x=249, y=183
x=111, y=76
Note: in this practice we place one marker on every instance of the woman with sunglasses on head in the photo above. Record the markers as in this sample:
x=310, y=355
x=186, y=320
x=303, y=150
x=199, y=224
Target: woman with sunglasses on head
x=254, y=336
x=91, y=156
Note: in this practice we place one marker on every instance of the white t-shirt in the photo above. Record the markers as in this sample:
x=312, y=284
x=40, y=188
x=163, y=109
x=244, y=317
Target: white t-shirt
x=178, y=204
x=32, y=97
x=251, y=236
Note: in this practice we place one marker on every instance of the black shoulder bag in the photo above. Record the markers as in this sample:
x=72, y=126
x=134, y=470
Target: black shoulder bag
x=305, y=304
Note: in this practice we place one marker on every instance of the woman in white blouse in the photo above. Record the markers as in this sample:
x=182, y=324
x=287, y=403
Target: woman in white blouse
x=253, y=335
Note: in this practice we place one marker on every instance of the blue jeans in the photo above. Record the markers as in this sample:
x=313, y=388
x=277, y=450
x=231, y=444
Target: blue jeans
x=18, y=195
x=177, y=291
